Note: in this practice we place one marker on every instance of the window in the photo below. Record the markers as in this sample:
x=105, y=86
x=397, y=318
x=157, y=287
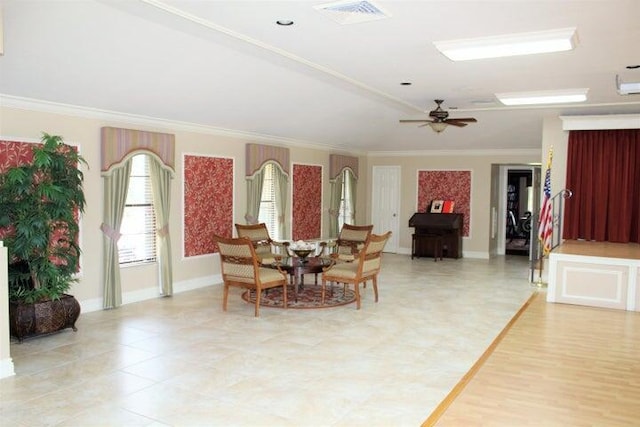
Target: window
x=346, y=204
x=138, y=229
x=268, y=212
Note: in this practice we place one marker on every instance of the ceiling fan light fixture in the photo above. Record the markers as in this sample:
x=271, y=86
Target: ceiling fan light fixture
x=438, y=127
x=509, y=44
x=543, y=97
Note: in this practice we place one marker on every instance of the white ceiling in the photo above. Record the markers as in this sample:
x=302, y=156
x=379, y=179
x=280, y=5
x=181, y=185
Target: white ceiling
x=226, y=64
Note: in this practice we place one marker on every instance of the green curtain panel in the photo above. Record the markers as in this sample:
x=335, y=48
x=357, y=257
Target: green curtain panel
x=116, y=185
x=254, y=195
x=282, y=189
x=161, y=188
x=353, y=181
x=334, y=205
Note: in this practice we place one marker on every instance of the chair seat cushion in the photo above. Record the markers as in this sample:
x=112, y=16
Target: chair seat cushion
x=270, y=275
x=267, y=275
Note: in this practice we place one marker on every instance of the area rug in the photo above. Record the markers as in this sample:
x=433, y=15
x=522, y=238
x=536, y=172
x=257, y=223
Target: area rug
x=308, y=297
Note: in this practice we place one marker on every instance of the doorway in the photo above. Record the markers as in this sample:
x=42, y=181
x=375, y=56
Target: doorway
x=499, y=212
x=519, y=211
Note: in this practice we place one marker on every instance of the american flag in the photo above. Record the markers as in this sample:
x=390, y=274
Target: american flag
x=545, y=224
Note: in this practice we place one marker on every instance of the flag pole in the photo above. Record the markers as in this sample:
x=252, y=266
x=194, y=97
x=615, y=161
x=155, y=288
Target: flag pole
x=545, y=221
x=540, y=283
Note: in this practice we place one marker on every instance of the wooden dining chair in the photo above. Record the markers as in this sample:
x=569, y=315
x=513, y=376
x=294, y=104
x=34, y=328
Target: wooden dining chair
x=365, y=267
x=241, y=267
x=267, y=249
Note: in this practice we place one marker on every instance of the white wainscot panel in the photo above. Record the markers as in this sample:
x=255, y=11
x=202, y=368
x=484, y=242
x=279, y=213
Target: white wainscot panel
x=592, y=284
x=635, y=289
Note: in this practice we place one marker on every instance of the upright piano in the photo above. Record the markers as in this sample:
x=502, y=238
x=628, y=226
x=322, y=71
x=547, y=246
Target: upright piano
x=436, y=235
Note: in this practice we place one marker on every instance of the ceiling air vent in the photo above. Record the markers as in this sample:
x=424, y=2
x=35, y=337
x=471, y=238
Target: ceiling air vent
x=352, y=12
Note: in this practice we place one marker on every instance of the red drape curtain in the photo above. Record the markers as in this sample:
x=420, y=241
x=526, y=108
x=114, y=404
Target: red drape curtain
x=603, y=172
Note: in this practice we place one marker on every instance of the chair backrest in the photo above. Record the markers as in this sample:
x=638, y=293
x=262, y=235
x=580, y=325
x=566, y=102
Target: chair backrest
x=238, y=259
x=355, y=233
x=351, y=239
x=258, y=234
x=371, y=255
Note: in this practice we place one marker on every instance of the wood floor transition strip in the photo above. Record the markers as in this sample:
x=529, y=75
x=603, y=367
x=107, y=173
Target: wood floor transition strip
x=459, y=387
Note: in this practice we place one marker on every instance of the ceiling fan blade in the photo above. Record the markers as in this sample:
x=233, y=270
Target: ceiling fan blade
x=456, y=123
x=464, y=119
x=440, y=118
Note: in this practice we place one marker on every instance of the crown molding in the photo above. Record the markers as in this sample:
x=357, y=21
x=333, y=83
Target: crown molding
x=29, y=104
x=601, y=122
x=458, y=153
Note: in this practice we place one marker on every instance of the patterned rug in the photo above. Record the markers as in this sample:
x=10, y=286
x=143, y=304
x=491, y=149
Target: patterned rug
x=308, y=297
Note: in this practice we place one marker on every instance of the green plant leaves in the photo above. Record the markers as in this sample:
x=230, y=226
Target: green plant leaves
x=40, y=203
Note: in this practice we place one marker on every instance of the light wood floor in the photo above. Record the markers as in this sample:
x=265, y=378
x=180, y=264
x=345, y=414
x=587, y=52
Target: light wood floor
x=554, y=365
x=599, y=249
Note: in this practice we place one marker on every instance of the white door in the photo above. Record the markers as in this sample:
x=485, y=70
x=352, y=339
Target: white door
x=385, y=204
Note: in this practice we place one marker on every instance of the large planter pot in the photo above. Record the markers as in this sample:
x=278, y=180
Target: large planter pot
x=44, y=317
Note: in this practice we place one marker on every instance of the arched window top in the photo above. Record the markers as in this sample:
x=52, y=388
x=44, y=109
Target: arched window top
x=152, y=156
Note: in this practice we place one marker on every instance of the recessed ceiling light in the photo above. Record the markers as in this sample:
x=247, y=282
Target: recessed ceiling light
x=543, y=97
x=284, y=22
x=509, y=45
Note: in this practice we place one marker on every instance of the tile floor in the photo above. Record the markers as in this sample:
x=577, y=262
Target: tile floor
x=181, y=361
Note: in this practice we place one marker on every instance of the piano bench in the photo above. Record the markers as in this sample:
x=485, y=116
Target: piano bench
x=436, y=241
x=429, y=243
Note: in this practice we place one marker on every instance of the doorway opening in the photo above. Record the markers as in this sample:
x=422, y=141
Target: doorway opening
x=520, y=206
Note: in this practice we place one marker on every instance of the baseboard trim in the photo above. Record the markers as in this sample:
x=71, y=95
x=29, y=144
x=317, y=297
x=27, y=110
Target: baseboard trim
x=6, y=368
x=95, y=304
x=475, y=254
x=465, y=254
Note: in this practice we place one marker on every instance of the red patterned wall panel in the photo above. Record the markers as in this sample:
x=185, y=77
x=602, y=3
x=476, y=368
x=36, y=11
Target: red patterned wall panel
x=14, y=153
x=208, y=202
x=307, y=202
x=446, y=185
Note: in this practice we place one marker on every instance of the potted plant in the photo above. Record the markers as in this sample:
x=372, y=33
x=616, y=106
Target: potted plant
x=40, y=205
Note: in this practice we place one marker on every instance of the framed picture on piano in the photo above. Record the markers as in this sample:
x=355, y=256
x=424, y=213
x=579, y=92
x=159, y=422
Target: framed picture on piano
x=447, y=206
x=436, y=206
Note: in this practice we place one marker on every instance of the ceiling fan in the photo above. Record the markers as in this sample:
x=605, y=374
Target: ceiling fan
x=440, y=119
